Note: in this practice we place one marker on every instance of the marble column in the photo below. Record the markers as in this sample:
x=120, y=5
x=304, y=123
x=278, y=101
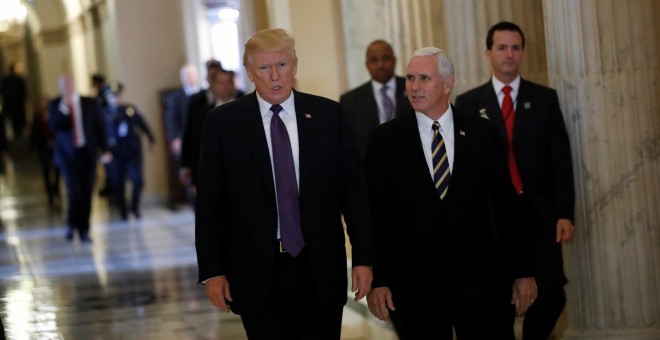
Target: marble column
x=603, y=60
x=466, y=24
x=406, y=24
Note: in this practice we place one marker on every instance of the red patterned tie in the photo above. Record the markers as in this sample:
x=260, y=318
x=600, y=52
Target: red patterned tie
x=509, y=114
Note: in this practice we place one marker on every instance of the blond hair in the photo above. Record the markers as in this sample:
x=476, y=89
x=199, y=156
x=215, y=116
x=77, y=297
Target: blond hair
x=269, y=40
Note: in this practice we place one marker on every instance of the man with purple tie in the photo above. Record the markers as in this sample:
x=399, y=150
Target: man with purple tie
x=277, y=170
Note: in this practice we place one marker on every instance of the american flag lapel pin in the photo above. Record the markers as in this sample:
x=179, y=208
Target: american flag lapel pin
x=461, y=132
x=307, y=115
x=527, y=105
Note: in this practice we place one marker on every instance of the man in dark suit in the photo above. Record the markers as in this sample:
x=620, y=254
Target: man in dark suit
x=431, y=177
x=79, y=134
x=533, y=132
x=277, y=169
x=221, y=90
x=13, y=95
x=378, y=100
x=176, y=109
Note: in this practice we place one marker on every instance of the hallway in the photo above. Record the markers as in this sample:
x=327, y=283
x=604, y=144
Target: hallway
x=137, y=280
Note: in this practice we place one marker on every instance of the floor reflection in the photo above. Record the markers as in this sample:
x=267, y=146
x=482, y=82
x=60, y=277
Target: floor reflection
x=135, y=281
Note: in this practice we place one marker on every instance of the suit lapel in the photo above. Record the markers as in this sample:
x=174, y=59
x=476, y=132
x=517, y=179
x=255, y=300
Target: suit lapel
x=369, y=105
x=413, y=143
x=523, y=108
x=254, y=132
x=305, y=119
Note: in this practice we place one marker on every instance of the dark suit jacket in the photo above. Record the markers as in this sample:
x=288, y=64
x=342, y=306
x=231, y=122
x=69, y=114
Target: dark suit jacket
x=543, y=155
x=62, y=127
x=176, y=110
x=236, y=219
x=428, y=248
x=191, y=142
x=362, y=110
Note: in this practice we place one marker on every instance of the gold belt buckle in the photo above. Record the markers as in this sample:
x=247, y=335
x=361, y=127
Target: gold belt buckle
x=281, y=248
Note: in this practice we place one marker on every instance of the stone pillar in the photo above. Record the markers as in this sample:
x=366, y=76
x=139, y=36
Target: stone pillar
x=603, y=60
x=406, y=24
x=466, y=24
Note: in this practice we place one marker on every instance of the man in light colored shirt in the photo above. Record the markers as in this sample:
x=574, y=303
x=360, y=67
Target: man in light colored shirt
x=431, y=177
x=79, y=135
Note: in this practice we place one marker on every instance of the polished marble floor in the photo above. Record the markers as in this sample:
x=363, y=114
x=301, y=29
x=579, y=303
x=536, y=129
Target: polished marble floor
x=135, y=281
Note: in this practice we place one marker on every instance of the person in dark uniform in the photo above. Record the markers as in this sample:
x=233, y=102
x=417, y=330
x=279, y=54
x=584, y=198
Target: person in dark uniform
x=107, y=103
x=128, y=127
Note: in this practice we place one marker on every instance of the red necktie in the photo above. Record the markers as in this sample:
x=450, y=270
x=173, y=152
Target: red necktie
x=509, y=114
x=72, y=114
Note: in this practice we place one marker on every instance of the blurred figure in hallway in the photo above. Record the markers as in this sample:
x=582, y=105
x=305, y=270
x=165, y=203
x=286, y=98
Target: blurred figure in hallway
x=127, y=161
x=14, y=95
x=108, y=106
x=41, y=140
x=79, y=134
x=221, y=90
x=176, y=110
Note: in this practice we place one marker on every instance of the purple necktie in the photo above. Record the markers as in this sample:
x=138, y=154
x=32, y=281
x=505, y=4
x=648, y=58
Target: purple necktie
x=286, y=185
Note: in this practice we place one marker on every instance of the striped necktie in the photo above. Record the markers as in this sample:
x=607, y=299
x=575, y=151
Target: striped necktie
x=441, y=174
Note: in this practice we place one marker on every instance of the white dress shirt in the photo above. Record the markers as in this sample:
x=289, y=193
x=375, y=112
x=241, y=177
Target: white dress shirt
x=80, y=132
x=391, y=92
x=515, y=86
x=425, y=125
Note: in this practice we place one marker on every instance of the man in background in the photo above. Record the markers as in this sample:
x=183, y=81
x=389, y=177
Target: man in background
x=14, y=95
x=221, y=90
x=531, y=126
x=176, y=109
x=378, y=100
x=79, y=135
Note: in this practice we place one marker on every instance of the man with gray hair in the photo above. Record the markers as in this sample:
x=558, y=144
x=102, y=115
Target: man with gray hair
x=432, y=176
x=277, y=170
x=177, y=106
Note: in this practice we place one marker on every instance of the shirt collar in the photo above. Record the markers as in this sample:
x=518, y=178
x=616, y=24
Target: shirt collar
x=446, y=121
x=498, y=85
x=288, y=106
x=391, y=84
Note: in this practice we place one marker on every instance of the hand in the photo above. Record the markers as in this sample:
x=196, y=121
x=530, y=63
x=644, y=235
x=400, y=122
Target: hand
x=106, y=157
x=379, y=301
x=217, y=291
x=565, y=230
x=524, y=293
x=175, y=146
x=361, y=278
x=184, y=176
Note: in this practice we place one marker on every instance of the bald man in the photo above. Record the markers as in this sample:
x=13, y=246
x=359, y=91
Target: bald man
x=380, y=99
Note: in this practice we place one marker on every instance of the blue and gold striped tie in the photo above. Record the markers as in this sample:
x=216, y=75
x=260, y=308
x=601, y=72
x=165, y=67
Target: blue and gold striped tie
x=441, y=174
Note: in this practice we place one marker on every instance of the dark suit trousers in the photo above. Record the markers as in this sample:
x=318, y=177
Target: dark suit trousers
x=292, y=310
x=79, y=175
x=541, y=317
x=469, y=319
